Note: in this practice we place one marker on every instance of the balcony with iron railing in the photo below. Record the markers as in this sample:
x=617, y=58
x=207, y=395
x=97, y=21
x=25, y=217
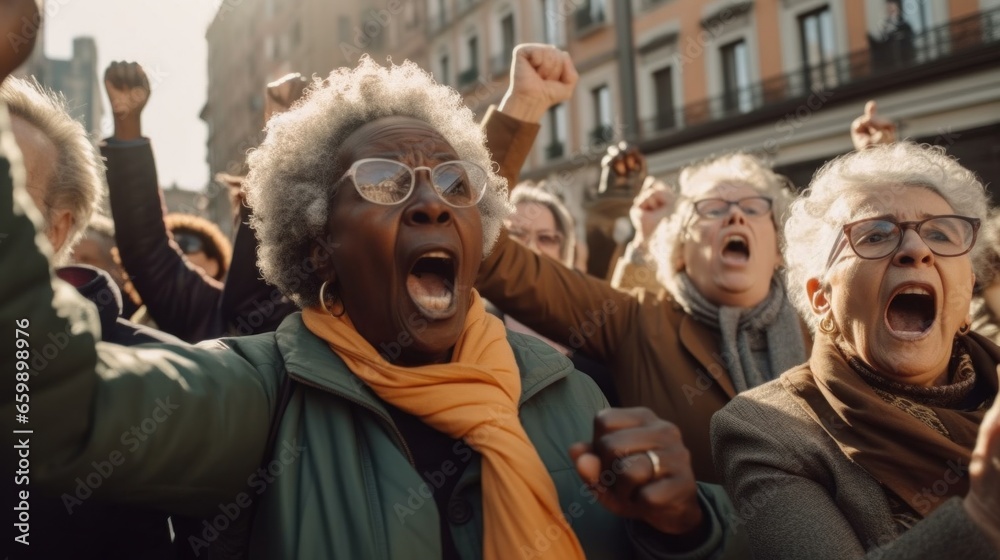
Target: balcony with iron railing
x=554, y=150
x=602, y=135
x=468, y=76
x=967, y=41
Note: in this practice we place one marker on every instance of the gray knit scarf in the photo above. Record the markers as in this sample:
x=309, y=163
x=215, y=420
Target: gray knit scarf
x=758, y=344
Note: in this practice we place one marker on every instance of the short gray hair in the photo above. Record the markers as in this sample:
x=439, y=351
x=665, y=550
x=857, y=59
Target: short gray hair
x=697, y=179
x=101, y=229
x=78, y=179
x=888, y=171
x=293, y=171
x=536, y=194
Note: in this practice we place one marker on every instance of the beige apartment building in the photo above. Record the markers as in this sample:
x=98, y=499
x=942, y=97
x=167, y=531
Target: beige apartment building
x=683, y=79
x=686, y=79
x=252, y=42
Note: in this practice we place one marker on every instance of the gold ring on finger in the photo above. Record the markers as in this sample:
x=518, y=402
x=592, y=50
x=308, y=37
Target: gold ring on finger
x=655, y=460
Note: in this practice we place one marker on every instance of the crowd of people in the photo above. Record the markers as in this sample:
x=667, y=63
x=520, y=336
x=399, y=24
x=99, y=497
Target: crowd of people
x=400, y=355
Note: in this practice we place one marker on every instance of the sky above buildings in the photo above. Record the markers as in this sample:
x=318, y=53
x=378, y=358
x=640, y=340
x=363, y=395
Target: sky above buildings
x=168, y=39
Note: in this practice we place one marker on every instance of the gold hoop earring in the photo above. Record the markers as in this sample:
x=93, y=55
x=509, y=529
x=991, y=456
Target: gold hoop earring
x=964, y=329
x=322, y=301
x=827, y=326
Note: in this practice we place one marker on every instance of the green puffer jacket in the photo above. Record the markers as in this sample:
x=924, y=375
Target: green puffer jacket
x=184, y=429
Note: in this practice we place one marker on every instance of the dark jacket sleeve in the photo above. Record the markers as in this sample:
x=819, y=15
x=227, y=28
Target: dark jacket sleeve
x=722, y=542
x=180, y=298
x=175, y=427
x=249, y=304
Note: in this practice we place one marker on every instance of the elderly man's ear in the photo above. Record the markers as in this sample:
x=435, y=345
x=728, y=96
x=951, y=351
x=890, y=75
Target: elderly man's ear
x=60, y=224
x=817, y=297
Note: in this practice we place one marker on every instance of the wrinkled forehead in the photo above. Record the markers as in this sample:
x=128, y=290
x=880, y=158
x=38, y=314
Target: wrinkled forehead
x=532, y=215
x=723, y=187
x=874, y=200
x=397, y=137
x=854, y=205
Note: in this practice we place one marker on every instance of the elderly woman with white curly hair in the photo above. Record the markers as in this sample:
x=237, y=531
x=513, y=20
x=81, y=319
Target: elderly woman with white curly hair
x=889, y=439
x=393, y=417
x=725, y=326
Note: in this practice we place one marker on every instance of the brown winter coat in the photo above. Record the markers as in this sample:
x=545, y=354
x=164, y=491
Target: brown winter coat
x=661, y=357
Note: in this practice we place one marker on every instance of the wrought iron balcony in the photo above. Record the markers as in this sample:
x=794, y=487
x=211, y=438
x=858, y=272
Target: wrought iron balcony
x=961, y=41
x=602, y=134
x=468, y=76
x=554, y=150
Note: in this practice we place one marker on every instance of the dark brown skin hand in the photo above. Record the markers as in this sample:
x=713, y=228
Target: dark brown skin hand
x=282, y=93
x=618, y=470
x=623, y=169
x=20, y=24
x=128, y=91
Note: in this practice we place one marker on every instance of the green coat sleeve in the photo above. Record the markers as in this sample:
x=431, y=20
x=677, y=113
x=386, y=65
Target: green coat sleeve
x=178, y=428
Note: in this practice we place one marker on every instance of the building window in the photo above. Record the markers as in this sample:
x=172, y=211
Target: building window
x=471, y=72
x=507, y=36
x=597, y=9
x=590, y=14
x=895, y=43
x=445, y=70
x=736, y=77
x=914, y=12
x=553, y=22
x=557, y=132
x=501, y=60
x=818, y=52
x=442, y=15
x=473, y=43
x=663, y=93
x=603, y=131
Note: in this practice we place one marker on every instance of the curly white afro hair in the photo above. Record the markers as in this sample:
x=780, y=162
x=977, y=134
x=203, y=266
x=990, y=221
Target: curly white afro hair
x=294, y=169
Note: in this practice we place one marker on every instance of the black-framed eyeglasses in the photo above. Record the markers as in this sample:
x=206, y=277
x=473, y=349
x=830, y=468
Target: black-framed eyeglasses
x=714, y=208
x=388, y=182
x=877, y=238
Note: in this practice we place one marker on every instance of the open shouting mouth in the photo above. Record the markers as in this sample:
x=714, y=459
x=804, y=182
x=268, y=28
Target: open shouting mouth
x=911, y=311
x=735, y=249
x=431, y=284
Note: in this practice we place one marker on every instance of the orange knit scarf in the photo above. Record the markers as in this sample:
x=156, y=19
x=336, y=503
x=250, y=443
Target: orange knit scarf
x=474, y=398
